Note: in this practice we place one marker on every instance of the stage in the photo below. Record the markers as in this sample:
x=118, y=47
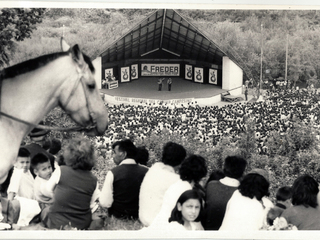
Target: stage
x=145, y=90
x=148, y=88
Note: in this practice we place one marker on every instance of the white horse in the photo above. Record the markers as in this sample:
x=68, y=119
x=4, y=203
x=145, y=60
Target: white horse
x=29, y=90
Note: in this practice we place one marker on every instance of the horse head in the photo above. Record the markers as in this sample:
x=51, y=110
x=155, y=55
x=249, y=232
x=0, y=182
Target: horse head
x=80, y=97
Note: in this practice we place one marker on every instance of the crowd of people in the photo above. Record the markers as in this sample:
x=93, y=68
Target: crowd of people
x=208, y=124
x=57, y=188
x=172, y=194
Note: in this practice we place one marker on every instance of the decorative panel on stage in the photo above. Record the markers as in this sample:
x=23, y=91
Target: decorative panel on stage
x=160, y=69
x=125, y=74
x=134, y=71
x=108, y=72
x=198, y=75
x=188, y=72
x=213, y=76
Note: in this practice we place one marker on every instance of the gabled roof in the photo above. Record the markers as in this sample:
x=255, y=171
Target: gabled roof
x=164, y=30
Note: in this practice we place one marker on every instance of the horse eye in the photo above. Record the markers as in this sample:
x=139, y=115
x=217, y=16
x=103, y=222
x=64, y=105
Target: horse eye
x=91, y=86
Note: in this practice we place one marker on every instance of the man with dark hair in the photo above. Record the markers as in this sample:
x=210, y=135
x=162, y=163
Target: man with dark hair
x=219, y=192
x=120, y=192
x=142, y=156
x=157, y=180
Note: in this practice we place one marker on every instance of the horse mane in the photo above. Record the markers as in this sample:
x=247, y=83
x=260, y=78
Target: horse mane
x=33, y=64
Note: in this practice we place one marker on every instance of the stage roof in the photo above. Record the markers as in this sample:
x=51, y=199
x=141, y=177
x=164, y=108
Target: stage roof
x=164, y=30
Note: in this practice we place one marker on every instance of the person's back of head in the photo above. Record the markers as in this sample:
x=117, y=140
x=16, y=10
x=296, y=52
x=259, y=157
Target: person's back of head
x=79, y=153
x=126, y=146
x=216, y=175
x=46, y=145
x=304, y=191
x=284, y=193
x=55, y=146
x=23, y=152
x=234, y=166
x=193, y=168
x=173, y=154
x=255, y=184
x=142, y=156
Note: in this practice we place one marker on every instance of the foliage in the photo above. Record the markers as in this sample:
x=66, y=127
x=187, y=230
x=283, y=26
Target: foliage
x=238, y=32
x=17, y=24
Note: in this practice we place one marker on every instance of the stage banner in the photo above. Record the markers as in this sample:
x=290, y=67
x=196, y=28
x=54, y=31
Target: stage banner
x=213, y=76
x=198, y=75
x=125, y=77
x=157, y=69
x=134, y=71
x=108, y=72
x=188, y=72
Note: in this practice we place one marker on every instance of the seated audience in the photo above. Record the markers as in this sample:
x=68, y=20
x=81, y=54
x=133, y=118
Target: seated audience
x=219, y=192
x=21, y=188
x=55, y=146
x=40, y=144
x=188, y=211
x=304, y=214
x=74, y=187
x=22, y=181
x=215, y=176
x=158, y=179
x=142, y=156
x=120, y=192
x=43, y=170
x=193, y=169
x=248, y=206
x=283, y=201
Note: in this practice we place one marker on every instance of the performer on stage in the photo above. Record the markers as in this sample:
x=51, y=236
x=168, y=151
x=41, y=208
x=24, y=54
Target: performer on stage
x=169, y=82
x=160, y=80
x=246, y=93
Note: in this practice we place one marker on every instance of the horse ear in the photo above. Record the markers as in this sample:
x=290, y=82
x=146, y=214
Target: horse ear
x=64, y=45
x=77, y=55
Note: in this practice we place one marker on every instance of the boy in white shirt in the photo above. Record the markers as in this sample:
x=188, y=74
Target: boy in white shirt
x=21, y=187
x=22, y=181
x=42, y=168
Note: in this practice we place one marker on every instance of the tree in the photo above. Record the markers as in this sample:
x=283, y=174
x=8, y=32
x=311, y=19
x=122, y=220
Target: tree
x=16, y=24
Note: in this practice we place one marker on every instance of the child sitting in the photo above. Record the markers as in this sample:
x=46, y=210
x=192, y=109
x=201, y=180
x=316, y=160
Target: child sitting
x=21, y=188
x=187, y=213
x=75, y=187
x=42, y=168
x=283, y=201
x=22, y=181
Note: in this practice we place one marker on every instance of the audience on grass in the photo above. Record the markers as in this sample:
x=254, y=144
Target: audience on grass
x=157, y=180
x=215, y=176
x=209, y=124
x=248, y=206
x=187, y=212
x=218, y=192
x=21, y=188
x=40, y=143
x=305, y=213
x=283, y=201
x=43, y=171
x=22, y=181
x=73, y=187
x=142, y=156
x=193, y=169
x=120, y=192
x=157, y=195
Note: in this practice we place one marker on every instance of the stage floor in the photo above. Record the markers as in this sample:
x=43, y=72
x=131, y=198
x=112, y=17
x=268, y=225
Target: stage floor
x=148, y=88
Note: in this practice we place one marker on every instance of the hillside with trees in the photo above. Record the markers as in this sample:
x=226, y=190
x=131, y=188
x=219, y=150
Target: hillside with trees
x=240, y=33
